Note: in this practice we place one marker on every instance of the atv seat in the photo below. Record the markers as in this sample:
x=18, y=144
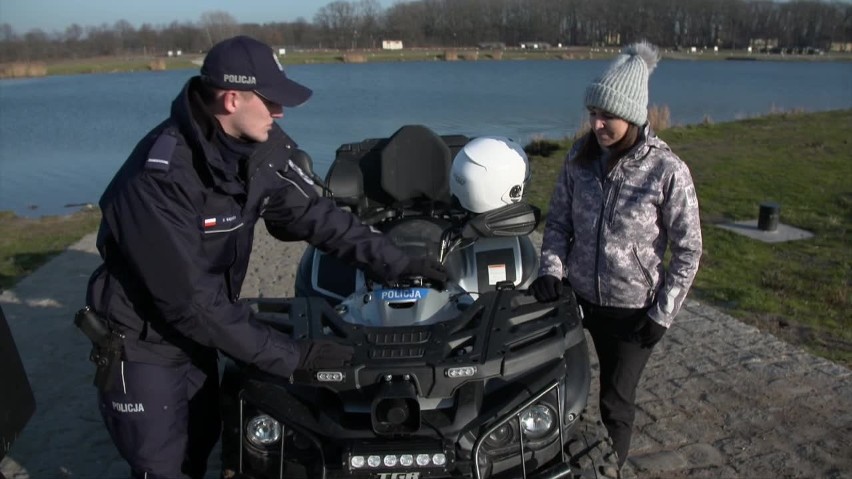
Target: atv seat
x=411, y=165
x=416, y=163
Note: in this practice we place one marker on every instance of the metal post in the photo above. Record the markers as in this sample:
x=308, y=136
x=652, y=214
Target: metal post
x=769, y=214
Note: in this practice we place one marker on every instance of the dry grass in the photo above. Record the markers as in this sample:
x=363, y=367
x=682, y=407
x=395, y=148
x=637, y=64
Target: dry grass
x=776, y=110
x=582, y=130
x=23, y=70
x=354, y=58
x=158, y=64
x=495, y=54
x=451, y=55
x=660, y=117
x=540, y=146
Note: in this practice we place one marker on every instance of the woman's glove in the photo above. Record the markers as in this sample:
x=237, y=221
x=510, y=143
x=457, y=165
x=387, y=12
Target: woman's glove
x=547, y=288
x=649, y=332
x=323, y=354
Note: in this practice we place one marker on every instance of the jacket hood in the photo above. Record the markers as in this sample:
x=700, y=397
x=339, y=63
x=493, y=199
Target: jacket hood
x=199, y=127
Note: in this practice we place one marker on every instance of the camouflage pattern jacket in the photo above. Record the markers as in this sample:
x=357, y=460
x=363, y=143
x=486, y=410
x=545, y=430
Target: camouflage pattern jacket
x=608, y=233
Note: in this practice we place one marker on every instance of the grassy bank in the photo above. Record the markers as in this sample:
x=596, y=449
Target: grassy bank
x=27, y=243
x=798, y=290
x=116, y=64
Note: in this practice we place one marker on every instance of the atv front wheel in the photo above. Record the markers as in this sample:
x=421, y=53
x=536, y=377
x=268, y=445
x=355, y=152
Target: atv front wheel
x=590, y=451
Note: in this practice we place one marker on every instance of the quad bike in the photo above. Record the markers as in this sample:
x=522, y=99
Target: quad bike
x=475, y=380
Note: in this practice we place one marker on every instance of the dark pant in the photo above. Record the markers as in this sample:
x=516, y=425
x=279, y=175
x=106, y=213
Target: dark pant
x=164, y=420
x=622, y=361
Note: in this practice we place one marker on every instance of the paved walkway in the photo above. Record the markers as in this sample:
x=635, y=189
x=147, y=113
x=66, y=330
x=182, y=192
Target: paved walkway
x=719, y=399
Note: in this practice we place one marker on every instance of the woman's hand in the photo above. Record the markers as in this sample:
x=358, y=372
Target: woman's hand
x=547, y=288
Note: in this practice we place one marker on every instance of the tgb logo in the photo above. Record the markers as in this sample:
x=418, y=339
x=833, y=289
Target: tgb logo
x=399, y=475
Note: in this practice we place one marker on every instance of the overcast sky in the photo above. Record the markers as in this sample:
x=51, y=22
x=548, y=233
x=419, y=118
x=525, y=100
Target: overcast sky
x=56, y=15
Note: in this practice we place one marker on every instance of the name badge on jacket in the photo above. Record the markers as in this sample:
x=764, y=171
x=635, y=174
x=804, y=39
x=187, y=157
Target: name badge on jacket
x=220, y=223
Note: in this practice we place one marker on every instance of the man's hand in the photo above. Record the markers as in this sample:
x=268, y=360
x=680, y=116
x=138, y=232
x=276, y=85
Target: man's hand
x=323, y=354
x=547, y=288
x=428, y=268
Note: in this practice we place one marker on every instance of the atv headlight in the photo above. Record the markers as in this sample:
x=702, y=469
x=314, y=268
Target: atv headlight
x=263, y=431
x=500, y=437
x=537, y=421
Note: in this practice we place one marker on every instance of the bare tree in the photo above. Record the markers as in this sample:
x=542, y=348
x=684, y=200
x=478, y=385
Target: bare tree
x=338, y=22
x=362, y=23
x=218, y=25
x=405, y=21
x=149, y=40
x=125, y=37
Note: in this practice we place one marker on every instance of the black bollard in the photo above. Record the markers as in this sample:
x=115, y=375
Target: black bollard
x=768, y=219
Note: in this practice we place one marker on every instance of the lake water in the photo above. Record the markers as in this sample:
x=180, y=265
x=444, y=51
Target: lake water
x=62, y=138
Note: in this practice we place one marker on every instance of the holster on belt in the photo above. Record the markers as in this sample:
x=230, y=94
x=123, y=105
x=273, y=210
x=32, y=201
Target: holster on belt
x=107, y=345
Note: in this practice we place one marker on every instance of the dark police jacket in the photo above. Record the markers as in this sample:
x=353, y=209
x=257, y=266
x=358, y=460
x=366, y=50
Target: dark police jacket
x=177, y=231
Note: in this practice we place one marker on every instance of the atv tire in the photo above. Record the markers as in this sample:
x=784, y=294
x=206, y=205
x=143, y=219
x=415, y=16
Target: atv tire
x=590, y=451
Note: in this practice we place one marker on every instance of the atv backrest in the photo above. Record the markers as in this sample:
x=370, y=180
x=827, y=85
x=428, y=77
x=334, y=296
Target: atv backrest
x=416, y=162
x=412, y=163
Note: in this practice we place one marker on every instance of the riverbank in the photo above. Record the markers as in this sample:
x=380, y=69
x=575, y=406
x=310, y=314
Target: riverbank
x=797, y=290
x=119, y=64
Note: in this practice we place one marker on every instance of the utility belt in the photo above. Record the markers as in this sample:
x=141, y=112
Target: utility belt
x=107, y=346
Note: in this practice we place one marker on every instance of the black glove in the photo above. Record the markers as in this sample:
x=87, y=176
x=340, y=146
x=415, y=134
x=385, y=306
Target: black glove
x=649, y=332
x=428, y=268
x=323, y=354
x=547, y=288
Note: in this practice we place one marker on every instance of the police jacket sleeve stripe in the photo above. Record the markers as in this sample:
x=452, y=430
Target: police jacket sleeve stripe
x=157, y=231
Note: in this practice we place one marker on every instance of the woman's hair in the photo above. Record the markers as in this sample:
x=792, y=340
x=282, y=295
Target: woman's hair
x=590, y=150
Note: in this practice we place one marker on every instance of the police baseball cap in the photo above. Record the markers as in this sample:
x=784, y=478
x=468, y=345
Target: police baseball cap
x=243, y=63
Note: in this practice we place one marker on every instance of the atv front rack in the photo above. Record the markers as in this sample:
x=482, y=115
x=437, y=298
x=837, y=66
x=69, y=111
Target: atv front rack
x=503, y=333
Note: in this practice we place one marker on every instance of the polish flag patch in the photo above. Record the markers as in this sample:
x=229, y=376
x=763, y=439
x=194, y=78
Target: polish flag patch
x=209, y=222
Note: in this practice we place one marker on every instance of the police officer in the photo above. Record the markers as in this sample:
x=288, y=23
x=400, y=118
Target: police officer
x=176, y=234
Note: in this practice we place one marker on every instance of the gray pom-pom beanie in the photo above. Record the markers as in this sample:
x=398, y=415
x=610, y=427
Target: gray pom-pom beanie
x=623, y=88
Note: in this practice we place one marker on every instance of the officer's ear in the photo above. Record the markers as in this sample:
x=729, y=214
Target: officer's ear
x=230, y=100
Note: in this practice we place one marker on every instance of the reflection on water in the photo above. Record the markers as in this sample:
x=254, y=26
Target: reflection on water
x=62, y=138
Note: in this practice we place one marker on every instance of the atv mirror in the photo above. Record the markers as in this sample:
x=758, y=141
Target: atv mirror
x=303, y=160
x=516, y=219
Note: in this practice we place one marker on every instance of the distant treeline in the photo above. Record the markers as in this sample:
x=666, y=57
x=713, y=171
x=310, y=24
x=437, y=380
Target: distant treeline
x=363, y=24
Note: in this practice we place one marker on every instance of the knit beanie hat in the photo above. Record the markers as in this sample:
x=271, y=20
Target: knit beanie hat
x=623, y=89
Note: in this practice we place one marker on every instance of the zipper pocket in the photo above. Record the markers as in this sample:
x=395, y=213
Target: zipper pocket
x=644, y=271
x=614, y=192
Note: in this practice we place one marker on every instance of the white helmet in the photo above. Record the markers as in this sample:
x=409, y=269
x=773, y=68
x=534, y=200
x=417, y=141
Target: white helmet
x=489, y=172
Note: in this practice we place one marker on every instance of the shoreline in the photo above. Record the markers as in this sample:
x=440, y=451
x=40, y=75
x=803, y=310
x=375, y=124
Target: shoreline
x=143, y=63
x=83, y=208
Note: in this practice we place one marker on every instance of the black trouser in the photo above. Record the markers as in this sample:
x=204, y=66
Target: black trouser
x=622, y=361
x=164, y=420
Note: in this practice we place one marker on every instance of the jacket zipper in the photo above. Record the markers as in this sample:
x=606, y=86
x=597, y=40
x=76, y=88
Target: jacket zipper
x=644, y=271
x=615, y=191
x=598, y=243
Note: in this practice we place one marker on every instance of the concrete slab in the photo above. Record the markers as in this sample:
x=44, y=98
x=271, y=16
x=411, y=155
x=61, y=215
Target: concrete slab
x=781, y=234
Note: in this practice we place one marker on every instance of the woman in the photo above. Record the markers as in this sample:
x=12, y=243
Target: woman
x=621, y=200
